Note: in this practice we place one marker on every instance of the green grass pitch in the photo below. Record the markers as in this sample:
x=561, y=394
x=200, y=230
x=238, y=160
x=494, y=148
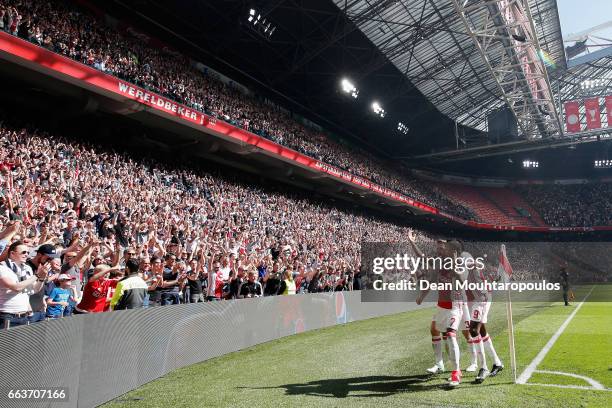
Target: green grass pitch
x=380, y=362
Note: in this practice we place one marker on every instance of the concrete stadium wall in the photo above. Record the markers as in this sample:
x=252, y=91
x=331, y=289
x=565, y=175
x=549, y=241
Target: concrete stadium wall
x=101, y=356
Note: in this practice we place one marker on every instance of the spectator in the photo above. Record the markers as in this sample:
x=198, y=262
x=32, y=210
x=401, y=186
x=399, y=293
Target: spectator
x=127, y=255
x=251, y=288
x=96, y=290
x=44, y=254
x=357, y=282
x=131, y=291
x=272, y=281
x=235, y=283
x=181, y=268
x=17, y=282
x=287, y=284
x=58, y=302
x=169, y=288
x=214, y=281
x=115, y=276
x=315, y=285
x=154, y=281
x=194, y=282
x=73, y=261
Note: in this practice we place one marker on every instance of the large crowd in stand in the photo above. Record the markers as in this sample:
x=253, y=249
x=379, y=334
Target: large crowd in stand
x=571, y=205
x=82, y=215
x=86, y=229
x=64, y=29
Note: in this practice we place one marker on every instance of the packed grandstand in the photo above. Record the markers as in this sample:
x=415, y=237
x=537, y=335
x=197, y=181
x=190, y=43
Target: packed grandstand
x=95, y=206
x=62, y=28
x=71, y=31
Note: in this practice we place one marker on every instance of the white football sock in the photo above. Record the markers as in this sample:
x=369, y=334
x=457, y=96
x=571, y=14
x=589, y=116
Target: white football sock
x=488, y=344
x=445, y=341
x=474, y=351
x=436, y=343
x=480, y=352
x=454, y=351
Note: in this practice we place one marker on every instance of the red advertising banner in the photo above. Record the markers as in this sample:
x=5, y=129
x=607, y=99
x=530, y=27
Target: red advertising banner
x=592, y=113
x=108, y=83
x=609, y=110
x=572, y=116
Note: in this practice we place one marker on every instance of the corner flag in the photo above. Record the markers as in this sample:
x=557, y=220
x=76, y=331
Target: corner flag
x=505, y=271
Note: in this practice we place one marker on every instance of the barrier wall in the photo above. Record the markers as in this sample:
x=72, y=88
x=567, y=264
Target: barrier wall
x=98, y=357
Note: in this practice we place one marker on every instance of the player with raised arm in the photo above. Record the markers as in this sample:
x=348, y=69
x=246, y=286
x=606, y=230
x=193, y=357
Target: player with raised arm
x=449, y=309
x=436, y=337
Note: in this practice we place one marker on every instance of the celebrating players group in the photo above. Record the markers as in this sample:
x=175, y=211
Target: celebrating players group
x=468, y=309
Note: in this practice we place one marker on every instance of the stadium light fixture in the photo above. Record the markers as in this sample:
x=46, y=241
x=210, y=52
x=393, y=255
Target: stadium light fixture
x=530, y=164
x=349, y=88
x=403, y=128
x=378, y=109
x=591, y=84
x=262, y=26
x=603, y=164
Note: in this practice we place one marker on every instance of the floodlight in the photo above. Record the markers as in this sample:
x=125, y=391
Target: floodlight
x=349, y=88
x=378, y=109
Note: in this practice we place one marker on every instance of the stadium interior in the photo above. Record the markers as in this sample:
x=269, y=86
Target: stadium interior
x=274, y=138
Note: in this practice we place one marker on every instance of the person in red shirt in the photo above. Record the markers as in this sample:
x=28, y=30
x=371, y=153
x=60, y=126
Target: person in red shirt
x=219, y=283
x=96, y=291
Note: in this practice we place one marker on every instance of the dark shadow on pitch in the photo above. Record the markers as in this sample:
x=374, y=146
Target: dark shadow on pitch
x=360, y=387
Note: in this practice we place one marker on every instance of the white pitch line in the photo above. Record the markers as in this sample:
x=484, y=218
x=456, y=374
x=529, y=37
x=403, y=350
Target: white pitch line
x=596, y=385
x=576, y=387
x=525, y=375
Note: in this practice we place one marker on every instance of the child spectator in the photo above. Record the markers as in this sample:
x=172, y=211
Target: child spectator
x=58, y=302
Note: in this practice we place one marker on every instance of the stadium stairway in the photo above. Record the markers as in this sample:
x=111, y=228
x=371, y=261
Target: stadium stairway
x=493, y=205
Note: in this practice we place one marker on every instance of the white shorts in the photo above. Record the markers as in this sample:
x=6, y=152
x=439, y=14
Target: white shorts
x=447, y=318
x=479, y=311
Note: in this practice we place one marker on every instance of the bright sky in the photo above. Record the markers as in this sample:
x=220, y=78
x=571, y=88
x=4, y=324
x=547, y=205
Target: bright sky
x=580, y=15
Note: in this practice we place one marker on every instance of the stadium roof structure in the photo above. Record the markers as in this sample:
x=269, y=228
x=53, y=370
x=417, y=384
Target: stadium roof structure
x=428, y=63
x=472, y=57
x=301, y=66
x=592, y=78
